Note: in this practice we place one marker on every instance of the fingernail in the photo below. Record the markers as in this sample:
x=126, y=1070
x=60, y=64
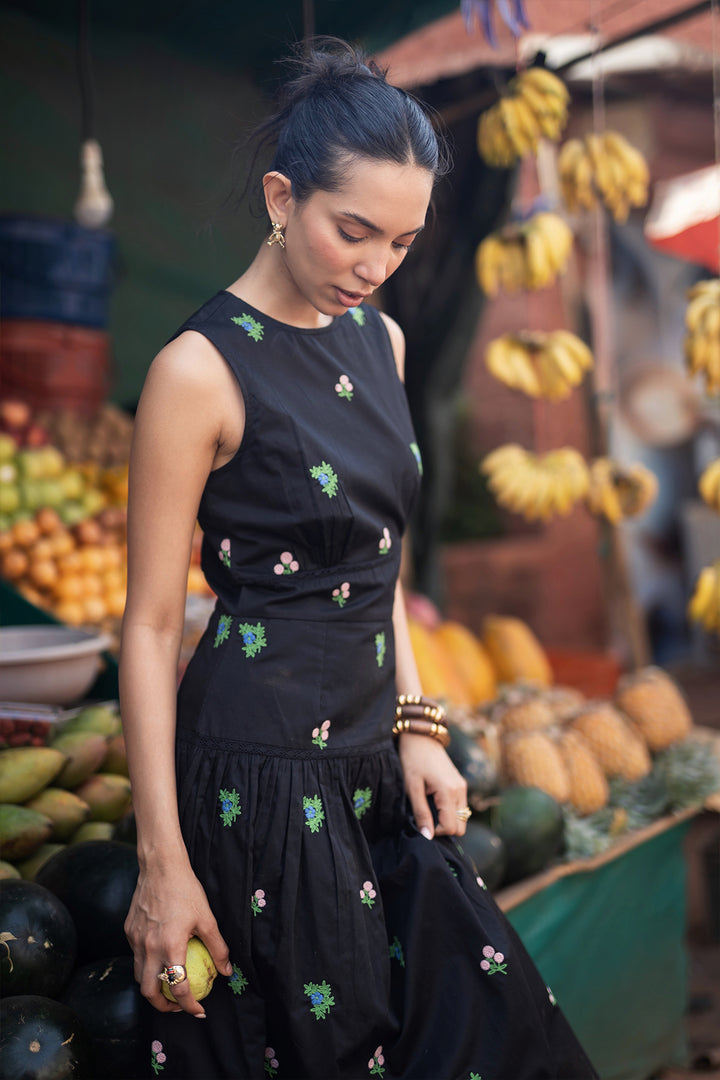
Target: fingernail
x=200, y=1016
x=427, y=832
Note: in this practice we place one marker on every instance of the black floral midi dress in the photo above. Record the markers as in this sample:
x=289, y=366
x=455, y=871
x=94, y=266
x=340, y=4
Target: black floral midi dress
x=359, y=948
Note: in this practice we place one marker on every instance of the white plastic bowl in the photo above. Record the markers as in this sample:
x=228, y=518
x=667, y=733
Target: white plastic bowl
x=54, y=665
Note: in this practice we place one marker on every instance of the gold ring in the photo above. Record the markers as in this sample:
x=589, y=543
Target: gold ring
x=173, y=974
x=465, y=814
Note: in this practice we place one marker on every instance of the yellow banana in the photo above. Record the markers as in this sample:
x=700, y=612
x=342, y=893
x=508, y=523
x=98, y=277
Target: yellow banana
x=709, y=485
x=544, y=81
x=488, y=259
x=576, y=347
x=703, y=597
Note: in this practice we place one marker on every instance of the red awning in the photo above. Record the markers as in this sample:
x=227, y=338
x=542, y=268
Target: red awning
x=684, y=219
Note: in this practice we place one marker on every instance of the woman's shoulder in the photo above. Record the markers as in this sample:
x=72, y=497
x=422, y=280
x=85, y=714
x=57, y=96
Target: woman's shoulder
x=397, y=341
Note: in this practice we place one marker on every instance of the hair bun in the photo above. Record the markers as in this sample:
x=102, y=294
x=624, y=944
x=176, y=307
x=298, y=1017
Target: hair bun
x=323, y=62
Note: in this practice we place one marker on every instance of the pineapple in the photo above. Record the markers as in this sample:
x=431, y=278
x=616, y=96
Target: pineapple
x=656, y=707
x=532, y=759
x=691, y=772
x=564, y=701
x=524, y=715
x=588, y=787
x=619, y=750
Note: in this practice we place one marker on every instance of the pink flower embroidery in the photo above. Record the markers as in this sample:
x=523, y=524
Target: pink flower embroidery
x=342, y=595
x=344, y=388
x=376, y=1062
x=287, y=565
x=224, y=552
x=258, y=901
x=385, y=542
x=320, y=734
x=493, y=962
x=368, y=894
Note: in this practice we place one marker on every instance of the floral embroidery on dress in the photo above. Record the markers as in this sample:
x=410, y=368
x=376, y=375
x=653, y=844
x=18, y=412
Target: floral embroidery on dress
x=453, y=871
x=396, y=951
x=320, y=734
x=358, y=315
x=385, y=542
x=223, y=630
x=321, y=998
x=376, y=1062
x=230, y=806
x=258, y=901
x=553, y=1000
x=287, y=564
x=237, y=981
x=475, y=1076
x=253, y=635
x=344, y=388
x=224, y=552
x=271, y=1062
x=416, y=453
x=252, y=326
x=368, y=894
x=326, y=477
x=342, y=595
x=314, y=813
x=481, y=883
x=362, y=800
x=493, y=962
x=158, y=1057
x=380, y=648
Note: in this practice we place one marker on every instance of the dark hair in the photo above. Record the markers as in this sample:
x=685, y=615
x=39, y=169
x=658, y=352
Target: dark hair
x=339, y=106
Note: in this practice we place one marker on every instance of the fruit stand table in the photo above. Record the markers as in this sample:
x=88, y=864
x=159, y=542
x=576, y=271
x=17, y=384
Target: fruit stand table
x=607, y=934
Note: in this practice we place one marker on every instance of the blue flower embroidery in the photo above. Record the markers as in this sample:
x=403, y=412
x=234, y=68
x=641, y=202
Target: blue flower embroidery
x=253, y=635
x=380, y=649
x=326, y=478
x=237, y=981
x=314, y=813
x=362, y=800
x=396, y=951
x=230, y=808
x=321, y=998
x=253, y=328
x=223, y=630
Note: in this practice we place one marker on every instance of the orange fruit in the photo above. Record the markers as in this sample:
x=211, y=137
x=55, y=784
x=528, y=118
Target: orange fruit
x=24, y=533
x=14, y=564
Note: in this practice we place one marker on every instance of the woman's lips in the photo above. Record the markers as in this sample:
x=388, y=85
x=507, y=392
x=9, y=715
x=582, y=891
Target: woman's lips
x=349, y=299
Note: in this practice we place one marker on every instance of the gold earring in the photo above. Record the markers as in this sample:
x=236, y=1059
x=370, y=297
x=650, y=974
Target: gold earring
x=277, y=236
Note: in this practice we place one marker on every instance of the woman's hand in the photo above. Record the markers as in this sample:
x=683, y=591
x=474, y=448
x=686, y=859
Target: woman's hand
x=428, y=770
x=168, y=908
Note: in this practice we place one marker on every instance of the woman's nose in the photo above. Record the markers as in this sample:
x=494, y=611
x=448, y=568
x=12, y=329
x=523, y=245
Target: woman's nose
x=373, y=269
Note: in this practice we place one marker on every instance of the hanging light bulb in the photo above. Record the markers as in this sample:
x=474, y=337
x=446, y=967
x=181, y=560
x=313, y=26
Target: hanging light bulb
x=94, y=206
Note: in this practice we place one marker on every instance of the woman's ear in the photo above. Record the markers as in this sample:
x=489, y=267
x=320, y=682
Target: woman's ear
x=278, y=195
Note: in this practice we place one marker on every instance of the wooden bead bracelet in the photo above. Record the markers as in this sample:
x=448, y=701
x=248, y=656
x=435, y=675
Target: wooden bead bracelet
x=419, y=715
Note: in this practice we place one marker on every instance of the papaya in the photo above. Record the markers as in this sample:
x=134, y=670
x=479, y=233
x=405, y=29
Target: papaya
x=7, y=871
x=438, y=676
x=107, y=795
x=102, y=719
x=26, y=770
x=29, y=867
x=22, y=831
x=470, y=658
x=116, y=760
x=85, y=752
x=93, y=830
x=66, y=811
x=514, y=651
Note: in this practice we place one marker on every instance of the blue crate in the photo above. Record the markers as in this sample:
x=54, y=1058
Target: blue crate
x=54, y=269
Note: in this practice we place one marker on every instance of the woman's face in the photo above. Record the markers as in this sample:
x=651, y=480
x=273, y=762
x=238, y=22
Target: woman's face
x=342, y=245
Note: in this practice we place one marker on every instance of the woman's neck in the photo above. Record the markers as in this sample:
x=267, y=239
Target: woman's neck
x=267, y=285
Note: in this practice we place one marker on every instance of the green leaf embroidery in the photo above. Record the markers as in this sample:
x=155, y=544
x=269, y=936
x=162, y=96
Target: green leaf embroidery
x=396, y=951
x=362, y=800
x=237, y=981
x=358, y=315
x=254, y=329
x=230, y=804
x=253, y=635
x=321, y=998
x=326, y=477
x=257, y=901
x=223, y=630
x=380, y=649
x=416, y=451
x=314, y=813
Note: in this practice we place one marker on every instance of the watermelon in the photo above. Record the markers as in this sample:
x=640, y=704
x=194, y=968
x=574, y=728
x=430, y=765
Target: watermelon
x=106, y=999
x=530, y=824
x=487, y=852
x=473, y=764
x=38, y=940
x=95, y=880
x=41, y=1039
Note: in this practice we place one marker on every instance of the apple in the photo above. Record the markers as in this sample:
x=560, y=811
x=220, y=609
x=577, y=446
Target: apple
x=15, y=415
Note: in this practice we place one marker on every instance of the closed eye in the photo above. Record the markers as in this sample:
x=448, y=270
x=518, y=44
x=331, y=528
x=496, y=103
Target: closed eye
x=358, y=240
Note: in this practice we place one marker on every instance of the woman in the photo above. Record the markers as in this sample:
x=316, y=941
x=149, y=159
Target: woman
x=278, y=821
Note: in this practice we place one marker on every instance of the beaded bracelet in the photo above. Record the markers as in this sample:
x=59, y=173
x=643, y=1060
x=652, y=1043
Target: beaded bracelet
x=420, y=716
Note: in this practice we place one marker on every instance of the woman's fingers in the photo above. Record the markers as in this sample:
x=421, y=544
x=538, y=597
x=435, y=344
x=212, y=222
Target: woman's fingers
x=415, y=788
x=216, y=946
x=448, y=801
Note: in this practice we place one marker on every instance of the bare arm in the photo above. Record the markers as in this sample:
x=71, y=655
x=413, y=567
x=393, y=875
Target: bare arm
x=427, y=769
x=178, y=437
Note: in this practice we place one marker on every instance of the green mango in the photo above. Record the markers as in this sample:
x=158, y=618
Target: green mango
x=22, y=831
x=26, y=770
x=85, y=752
x=66, y=811
x=29, y=867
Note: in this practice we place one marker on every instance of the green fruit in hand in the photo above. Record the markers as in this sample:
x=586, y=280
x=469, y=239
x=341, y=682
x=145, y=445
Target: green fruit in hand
x=201, y=971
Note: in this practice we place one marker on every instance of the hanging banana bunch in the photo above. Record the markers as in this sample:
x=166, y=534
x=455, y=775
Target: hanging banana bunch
x=542, y=365
x=620, y=491
x=709, y=485
x=603, y=168
x=534, y=106
x=704, y=604
x=538, y=487
x=702, y=343
x=527, y=255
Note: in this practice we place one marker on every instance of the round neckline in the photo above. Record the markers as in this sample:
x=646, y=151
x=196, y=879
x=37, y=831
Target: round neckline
x=312, y=330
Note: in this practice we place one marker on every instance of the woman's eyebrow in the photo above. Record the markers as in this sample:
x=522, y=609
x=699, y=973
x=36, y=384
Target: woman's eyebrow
x=376, y=228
